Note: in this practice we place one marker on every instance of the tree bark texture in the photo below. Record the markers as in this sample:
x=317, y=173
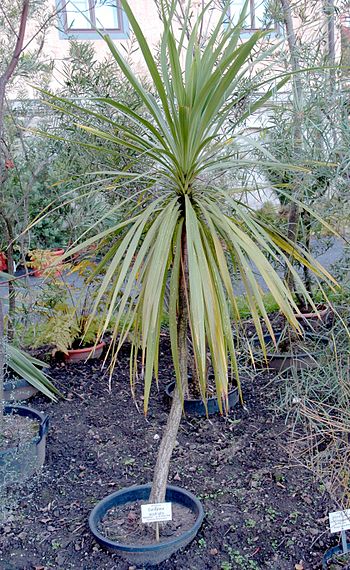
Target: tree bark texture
x=307, y=237
x=6, y=76
x=293, y=217
x=167, y=444
x=10, y=270
x=2, y=363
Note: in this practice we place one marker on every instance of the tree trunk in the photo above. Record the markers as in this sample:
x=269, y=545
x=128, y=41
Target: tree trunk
x=4, y=79
x=292, y=231
x=307, y=234
x=9, y=233
x=2, y=364
x=167, y=444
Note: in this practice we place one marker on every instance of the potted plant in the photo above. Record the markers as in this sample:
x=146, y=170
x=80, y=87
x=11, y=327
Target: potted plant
x=313, y=320
x=20, y=383
x=22, y=430
x=181, y=233
x=193, y=403
x=65, y=308
x=289, y=350
x=22, y=374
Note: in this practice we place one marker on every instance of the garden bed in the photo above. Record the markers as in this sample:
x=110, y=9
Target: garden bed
x=262, y=511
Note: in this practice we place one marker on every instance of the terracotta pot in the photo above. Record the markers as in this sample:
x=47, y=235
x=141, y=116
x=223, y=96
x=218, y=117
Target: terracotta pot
x=314, y=321
x=79, y=354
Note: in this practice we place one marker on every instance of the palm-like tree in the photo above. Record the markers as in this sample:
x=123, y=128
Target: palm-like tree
x=185, y=227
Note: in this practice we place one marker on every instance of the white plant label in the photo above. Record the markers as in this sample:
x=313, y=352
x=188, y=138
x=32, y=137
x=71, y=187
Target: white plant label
x=339, y=520
x=156, y=512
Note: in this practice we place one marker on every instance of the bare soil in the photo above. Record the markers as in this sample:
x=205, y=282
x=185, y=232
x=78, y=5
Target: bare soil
x=263, y=509
x=123, y=524
x=17, y=430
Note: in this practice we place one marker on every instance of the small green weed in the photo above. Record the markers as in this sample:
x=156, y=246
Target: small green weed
x=238, y=560
x=271, y=513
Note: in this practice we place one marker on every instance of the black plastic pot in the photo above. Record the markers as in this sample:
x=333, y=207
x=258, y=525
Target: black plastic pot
x=18, y=389
x=197, y=407
x=280, y=362
x=328, y=555
x=19, y=463
x=149, y=554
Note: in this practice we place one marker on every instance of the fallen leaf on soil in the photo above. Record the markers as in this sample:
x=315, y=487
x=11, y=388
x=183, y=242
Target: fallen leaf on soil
x=213, y=551
x=177, y=477
x=132, y=516
x=299, y=566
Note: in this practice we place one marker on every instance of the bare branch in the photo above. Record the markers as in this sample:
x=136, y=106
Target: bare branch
x=4, y=79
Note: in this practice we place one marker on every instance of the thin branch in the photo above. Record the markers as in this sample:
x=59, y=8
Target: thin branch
x=4, y=79
x=8, y=21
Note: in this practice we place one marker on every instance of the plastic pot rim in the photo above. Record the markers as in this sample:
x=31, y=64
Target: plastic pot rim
x=91, y=348
x=323, y=339
x=323, y=310
x=328, y=555
x=169, y=389
x=16, y=383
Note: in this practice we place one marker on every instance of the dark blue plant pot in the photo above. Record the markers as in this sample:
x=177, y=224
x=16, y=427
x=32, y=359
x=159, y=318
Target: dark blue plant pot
x=20, y=462
x=150, y=554
x=328, y=555
x=197, y=407
x=18, y=389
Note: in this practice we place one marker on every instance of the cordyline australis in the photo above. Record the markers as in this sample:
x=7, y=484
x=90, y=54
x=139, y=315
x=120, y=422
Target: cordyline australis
x=185, y=226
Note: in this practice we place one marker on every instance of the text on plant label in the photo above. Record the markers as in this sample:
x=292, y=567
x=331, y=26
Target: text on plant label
x=339, y=520
x=156, y=512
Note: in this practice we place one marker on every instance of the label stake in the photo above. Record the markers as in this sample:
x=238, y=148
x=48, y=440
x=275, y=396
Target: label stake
x=344, y=542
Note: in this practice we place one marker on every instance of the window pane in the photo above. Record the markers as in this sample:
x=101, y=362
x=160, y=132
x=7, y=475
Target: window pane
x=259, y=13
x=77, y=12
x=236, y=8
x=106, y=14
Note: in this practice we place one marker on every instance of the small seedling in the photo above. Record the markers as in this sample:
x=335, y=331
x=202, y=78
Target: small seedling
x=250, y=523
x=271, y=513
x=242, y=561
x=129, y=461
x=293, y=517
